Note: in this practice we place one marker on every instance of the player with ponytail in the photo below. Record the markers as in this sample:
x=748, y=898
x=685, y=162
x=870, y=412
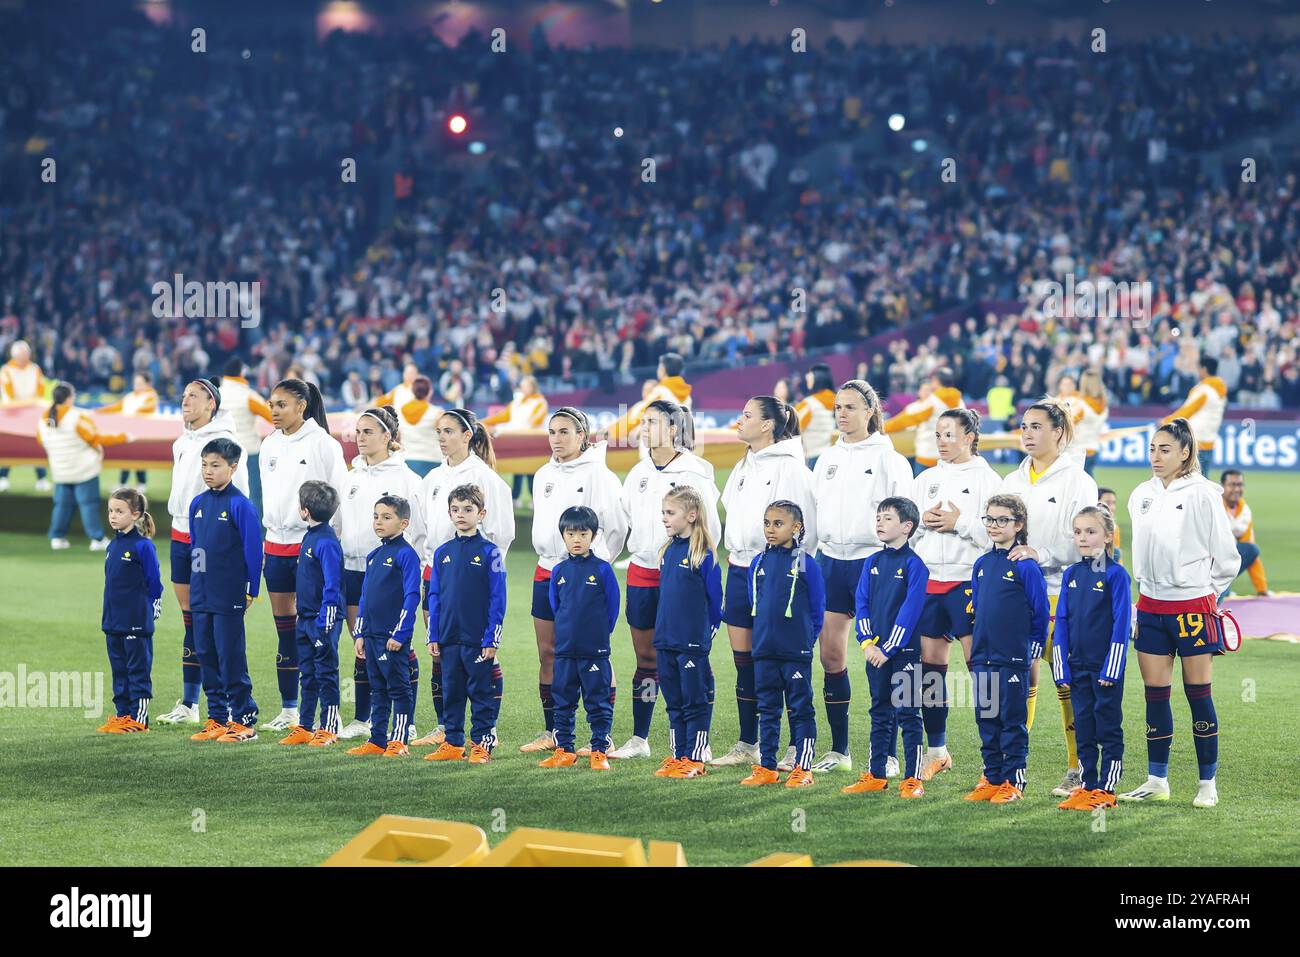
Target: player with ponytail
x=300, y=449
x=773, y=469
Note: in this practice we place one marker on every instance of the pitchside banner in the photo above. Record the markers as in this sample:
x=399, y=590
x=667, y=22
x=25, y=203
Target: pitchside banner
x=1262, y=446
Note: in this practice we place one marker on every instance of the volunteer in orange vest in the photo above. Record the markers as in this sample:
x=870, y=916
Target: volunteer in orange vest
x=418, y=422
x=1204, y=407
x=1243, y=529
x=403, y=392
x=816, y=418
x=141, y=400
x=246, y=407
x=21, y=380
x=524, y=413
x=76, y=452
x=923, y=415
x=671, y=387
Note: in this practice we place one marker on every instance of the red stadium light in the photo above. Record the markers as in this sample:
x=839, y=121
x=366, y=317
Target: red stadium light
x=457, y=124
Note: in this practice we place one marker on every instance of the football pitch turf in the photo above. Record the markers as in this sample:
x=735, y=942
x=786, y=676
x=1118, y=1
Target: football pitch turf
x=73, y=797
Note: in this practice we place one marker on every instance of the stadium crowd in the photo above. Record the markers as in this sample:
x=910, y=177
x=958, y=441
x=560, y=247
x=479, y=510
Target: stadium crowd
x=222, y=167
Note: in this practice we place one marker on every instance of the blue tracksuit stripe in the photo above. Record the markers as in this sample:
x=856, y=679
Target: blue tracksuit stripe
x=1117, y=581
x=1061, y=630
x=612, y=594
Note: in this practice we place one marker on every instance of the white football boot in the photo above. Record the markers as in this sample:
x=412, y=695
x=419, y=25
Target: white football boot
x=180, y=714
x=283, y=721
x=740, y=753
x=1155, y=789
x=355, y=729
x=635, y=748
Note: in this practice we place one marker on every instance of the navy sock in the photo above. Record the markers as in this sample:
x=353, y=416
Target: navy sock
x=645, y=691
x=746, y=696
x=934, y=703
x=1160, y=730
x=435, y=683
x=836, y=691
x=548, y=706
x=191, y=671
x=286, y=659
x=361, y=686
x=1205, y=729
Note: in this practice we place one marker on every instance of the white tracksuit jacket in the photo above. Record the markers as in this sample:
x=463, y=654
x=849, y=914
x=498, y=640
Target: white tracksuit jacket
x=849, y=482
x=950, y=556
x=498, y=525
x=1182, y=546
x=285, y=462
x=187, y=467
x=584, y=481
x=643, y=496
x=759, y=479
x=1053, y=501
x=362, y=487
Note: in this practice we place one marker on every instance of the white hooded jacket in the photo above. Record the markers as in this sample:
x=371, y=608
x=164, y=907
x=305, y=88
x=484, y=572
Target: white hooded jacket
x=187, y=467
x=285, y=462
x=584, y=481
x=1053, y=501
x=498, y=525
x=1182, y=547
x=759, y=479
x=362, y=487
x=950, y=556
x=849, y=482
x=643, y=495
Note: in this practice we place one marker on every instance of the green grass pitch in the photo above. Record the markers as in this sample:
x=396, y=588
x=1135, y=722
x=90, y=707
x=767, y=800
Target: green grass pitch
x=74, y=797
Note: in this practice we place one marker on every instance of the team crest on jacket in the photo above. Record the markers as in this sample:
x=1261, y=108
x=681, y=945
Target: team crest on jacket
x=932, y=491
x=353, y=493
x=644, y=483
x=1145, y=506
x=831, y=470
x=270, y=466
x=546, y=492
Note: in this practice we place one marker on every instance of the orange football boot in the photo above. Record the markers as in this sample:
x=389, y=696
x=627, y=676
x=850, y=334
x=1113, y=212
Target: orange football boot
x=396, y=749
x=298, y=735
x=799, y=778
x=446, y=752
x=1077, y=801
x=665, y=770
x=599, y=761
x=237, y=733
x=937, y=766
x=983, y=791
x=911, y=788
x=686, y=768
x=129, y=726
x=323, y=738
x=210, y=731
x=559, y=759
x=366, y=749
x=479, y=754
x=1099, y=798
x=760, y=776
x=865, y=782
x=108, y=726
x=1007, y=793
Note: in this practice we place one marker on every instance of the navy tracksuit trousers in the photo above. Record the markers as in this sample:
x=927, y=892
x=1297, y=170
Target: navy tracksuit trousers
x=1001, y=711
x=896, y=702
x=467, y=676
x=684, y=684
x=223, y=656
x=590, y=678
x=130, y=659
x=787, y=683
x=390, y=690
x=1098, y=728
x=318, y=666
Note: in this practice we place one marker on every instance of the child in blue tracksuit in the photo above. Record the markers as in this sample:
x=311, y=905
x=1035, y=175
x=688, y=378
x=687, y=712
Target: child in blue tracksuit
x=467, y=610
x=584, y=597
x=132, y=603
x=225, y=574
x=320, y=603
x=890, y=598
x=1089, y=646
x=787, y=598
x=1011, y=611
x=688, y=615
x=390, y=598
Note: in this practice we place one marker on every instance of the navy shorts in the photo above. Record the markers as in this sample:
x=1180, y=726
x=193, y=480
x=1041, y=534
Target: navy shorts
x=948, y=615
x=352, y=586
x=280, y=572
x=542, y=601
x=841, y=576
x=735, y=599
x=1194, y=634
x=180, y=562
x=642, y=607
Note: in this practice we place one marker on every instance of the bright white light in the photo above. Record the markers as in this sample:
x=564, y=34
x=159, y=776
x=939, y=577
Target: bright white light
x=920, y=146
x=896, y=121
x=618, y=131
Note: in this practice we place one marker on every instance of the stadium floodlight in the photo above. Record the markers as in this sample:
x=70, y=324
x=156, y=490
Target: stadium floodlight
x=896, y=121
x=457, y=123
x=477, y=147
x=919, y=146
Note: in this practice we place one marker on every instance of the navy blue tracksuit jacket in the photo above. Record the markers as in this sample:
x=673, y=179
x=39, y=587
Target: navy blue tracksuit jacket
x=890, y=598
x=390, y=597
x=467, y=610
x=1094, y=616
x=780, y=580
x=689, y=612
x=1011, y=615
x=585, y=598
